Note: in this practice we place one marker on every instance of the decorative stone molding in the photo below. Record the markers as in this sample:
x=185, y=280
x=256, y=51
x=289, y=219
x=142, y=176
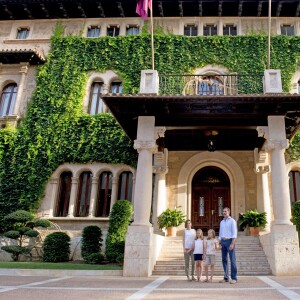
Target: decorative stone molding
x=276, y=144
x=159, y=132
x=262, y=169
x=149, y=82
x=145, y=145
x=24, y=69
x=263, y=131
x=261, y=163
x=161, y=162
x=160, y=170
x=74, y=180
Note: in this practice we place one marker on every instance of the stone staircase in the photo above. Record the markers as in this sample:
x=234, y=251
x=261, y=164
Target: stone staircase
x=250, y=257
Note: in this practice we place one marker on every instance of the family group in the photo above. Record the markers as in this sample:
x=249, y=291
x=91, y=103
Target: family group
x=198, y=249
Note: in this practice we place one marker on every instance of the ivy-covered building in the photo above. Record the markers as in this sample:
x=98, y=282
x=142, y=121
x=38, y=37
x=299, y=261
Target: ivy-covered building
x=209, y=131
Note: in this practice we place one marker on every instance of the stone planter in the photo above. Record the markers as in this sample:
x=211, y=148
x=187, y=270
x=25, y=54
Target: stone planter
x=172, y=231
x=254, y=231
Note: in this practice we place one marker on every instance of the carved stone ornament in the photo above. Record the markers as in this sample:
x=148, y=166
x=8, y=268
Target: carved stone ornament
x=159, y=132
x=262, y=169
x=160, y=169
x=145, y=145
x=262, y=131
x=276, y=144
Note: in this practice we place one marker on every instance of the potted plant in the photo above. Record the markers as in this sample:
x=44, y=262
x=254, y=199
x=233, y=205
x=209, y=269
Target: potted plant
x=170, y=219
x=254, y=220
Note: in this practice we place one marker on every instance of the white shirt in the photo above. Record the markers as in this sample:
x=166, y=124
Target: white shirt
x=189, y=237
x=198, y=246
x=228, y=228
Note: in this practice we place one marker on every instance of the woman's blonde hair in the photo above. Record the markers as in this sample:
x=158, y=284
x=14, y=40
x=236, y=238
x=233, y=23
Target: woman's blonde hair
x=213, y=233
x=201, y=234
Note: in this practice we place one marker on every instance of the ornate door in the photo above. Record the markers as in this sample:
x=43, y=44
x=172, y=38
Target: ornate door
x=211, y=193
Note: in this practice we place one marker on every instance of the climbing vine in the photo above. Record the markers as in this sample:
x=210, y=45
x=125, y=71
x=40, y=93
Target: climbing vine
x=56, y=130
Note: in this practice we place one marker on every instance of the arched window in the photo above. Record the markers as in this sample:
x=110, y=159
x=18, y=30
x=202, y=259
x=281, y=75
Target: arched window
x=104, y=194
x=84, y=194
x=294, y=186
x=210, y=85
x=125, y=186
x=64, y=192
x=116, y=87
x=8, y=98
x=95, y=102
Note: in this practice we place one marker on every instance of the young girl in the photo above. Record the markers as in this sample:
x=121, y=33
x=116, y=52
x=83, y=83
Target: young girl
x=210, y=247
x=198, y=253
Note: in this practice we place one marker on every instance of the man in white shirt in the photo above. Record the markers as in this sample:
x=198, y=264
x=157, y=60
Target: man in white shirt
x=227, y=237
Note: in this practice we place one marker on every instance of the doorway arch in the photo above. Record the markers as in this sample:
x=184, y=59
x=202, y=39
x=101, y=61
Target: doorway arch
x=210, y=194
x=208, y=159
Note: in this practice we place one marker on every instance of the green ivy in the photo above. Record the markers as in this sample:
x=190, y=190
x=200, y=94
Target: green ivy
x=56, y=131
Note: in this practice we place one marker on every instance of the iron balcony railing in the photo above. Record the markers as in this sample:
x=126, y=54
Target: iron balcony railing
x=224, y=84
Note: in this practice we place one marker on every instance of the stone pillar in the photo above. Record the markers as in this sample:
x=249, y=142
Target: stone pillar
x=114, y=192
x=281, y=245
x=149, y=82
x=262, y=169
x=138, y=245
x=160, y=169
x=73, y=196
x=94, y=192
x=54, y=186
x=21, y=86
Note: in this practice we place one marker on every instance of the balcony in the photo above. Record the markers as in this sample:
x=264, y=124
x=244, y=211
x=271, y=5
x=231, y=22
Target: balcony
x=208, y=85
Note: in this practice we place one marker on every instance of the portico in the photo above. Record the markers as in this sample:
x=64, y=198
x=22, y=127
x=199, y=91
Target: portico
x=242, y=129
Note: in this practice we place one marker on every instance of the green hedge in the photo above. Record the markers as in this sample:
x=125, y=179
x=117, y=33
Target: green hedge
x=91, y=241
x=119, y=220
x=56, y=247
x=55, y=130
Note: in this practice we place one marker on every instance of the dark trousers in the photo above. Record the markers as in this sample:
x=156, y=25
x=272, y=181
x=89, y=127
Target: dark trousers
x=225, y=251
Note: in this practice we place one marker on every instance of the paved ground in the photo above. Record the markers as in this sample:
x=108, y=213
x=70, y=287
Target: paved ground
x=100, y=287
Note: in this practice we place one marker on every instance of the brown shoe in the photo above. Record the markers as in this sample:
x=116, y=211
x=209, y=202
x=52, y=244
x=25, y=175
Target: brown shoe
x=223, y=281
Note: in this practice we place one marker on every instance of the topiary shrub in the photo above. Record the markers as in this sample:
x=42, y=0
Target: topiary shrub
x=296, y=215
x=91, y=241
x=95, y=258
x=22, y=226
x=119, y=220
x=56, y=247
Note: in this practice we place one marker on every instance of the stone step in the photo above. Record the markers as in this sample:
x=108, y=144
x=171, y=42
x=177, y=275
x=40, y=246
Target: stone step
x=251, y=259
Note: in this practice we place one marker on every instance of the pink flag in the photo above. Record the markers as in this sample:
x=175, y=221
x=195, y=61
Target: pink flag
x=142, y=8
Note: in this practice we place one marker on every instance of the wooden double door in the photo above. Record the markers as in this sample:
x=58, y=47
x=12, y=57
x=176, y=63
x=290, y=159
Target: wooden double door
x=207, y=206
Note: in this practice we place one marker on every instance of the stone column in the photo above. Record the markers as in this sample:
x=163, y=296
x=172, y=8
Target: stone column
x=114, y=192
x=262, y=169
x=21, y=86
x=138, y=245
x=73, y=196
x=94, y=192
x=160, y=169
x=281, y=245
x=54, y=185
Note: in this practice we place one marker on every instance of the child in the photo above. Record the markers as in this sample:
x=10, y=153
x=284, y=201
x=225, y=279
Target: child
x=198, y=253
x=210, y=246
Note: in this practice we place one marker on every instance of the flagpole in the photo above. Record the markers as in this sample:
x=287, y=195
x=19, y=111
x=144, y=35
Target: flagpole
x=269, y=35
x=152, y=37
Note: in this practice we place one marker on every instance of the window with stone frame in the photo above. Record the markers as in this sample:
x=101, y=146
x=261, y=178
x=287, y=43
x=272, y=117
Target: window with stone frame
x=8, y=98
x=84, y=194
x=190, y=30
x=125, y=186
x=116, y=87
x=113, y=30
x=294, y=182
x=210, y=29
x=132, y=29
x=229, y=29
x=104, y=194
x=95, y=100
x=22, y=33
x=93, y=31
x=63, y=195
x=287, y=29
x=210, y=85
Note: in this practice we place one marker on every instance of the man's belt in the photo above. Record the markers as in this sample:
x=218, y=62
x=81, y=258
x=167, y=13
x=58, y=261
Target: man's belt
x=224, y=239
